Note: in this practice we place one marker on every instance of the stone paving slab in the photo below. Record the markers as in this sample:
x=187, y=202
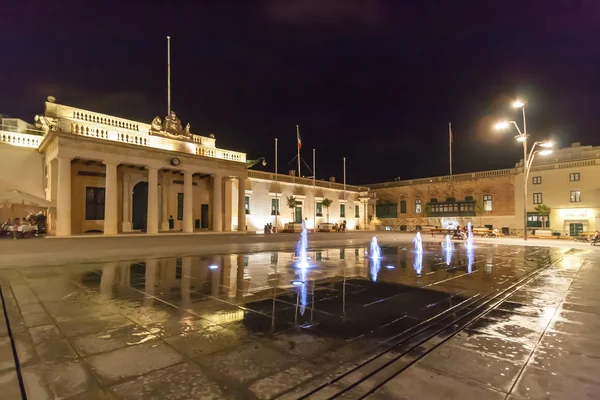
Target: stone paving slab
x=541, y=343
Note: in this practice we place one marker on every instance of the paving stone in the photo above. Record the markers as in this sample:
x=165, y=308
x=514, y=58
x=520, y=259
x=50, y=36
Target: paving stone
x=7, y=359
x=564, y=363
x=480, y=367
x=273, y=385
x=36, y=386
x=505, y=348
x=203, y=342
x=537, y=383
x=181, y=381
x=578, y=344
x=83, y=326
x=245, y=362
x=45, y=334
x=55, y=351
x=419, y=383
x=9, y=385
x=114, y=366
x=68, y=379
x=110, y=339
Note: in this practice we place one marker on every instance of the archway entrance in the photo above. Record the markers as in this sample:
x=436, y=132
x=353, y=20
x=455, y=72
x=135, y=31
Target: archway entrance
x=140, y=206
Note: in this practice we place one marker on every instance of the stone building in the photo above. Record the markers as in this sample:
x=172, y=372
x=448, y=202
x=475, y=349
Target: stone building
x=565, y=181
x=482, y=198
x=97, y=173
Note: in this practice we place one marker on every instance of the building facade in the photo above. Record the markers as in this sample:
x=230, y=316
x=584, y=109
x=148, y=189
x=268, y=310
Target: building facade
x=564, y=181
x=113, y=175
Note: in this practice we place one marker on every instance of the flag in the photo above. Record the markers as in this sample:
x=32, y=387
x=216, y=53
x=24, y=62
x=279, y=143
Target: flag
x=299, y=139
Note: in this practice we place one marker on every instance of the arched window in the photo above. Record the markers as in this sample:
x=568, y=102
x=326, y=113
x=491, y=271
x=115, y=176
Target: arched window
x=418, y=206
x=402, y=206
x=487, y=202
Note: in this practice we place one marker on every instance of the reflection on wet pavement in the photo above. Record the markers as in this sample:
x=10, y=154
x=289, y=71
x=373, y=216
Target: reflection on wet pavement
x=253, y=325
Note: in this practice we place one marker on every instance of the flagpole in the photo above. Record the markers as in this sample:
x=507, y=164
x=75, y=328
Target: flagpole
x=298, y=145
x=344, y=181
x=168, y=75
x=450, y=144
x=276, y=189
x=314, y=194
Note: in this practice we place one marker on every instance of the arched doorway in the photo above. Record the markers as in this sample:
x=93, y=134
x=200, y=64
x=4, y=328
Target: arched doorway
x=140, y=206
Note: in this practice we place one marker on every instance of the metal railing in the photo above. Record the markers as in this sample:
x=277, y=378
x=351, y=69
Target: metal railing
x=270, y=176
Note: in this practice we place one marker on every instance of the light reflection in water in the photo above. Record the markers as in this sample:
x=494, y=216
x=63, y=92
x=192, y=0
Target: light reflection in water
x=470, y=256
x=418, y=265
x=375, y=267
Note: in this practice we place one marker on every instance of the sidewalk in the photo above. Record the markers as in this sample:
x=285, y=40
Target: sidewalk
x=9, y=383
x=541, y=343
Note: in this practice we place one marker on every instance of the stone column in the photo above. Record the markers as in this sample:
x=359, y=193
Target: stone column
x=188, y=202
x=127, y=226
x=241, y=204
x=227, y=204
x=239, y=283
x=63, y=198
x=217, y=200
x=166, y=187
x=152, y=221
x=110, y=199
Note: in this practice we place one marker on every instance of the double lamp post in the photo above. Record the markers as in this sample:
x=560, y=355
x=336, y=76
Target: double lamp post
x=527, y=157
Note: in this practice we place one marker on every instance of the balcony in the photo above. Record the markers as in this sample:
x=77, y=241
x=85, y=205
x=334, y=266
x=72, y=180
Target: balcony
x=464, y=208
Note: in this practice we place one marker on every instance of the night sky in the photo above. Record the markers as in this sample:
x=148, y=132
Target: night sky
x=376, y=81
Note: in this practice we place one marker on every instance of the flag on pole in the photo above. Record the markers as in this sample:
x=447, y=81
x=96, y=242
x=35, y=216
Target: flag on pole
x=299, y=139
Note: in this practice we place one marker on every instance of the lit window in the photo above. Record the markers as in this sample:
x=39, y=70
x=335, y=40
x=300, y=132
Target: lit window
x=537, y=198
x=418, y=206
x=575, y=196
x=342, y=210
x=487, y=202
x=574, y=177
x=247, y=204
x=356, y=211
x=537, y=180
x=319, y=209
x=275, y=206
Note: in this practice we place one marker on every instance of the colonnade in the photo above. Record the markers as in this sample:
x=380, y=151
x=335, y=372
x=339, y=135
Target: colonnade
x=111, y=222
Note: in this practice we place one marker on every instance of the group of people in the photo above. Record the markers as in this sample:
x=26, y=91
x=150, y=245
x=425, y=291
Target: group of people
x=341, y=227
x=31, y=223
x=268, y=228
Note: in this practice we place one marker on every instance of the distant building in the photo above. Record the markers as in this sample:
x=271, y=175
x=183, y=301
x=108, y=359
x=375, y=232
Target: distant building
x=566, y=181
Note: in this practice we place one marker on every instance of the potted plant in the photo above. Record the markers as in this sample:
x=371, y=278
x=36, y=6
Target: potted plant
x=291, y=203
x=544, y=211
x=326, y=203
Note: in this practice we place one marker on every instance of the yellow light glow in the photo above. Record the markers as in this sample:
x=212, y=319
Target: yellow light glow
x=545, y=152
x=520, y=138
x=546, y=144
x=518, y=104
x=501, y=125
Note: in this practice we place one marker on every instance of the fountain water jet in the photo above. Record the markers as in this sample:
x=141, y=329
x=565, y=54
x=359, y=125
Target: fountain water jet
x=375, y=256
x=418, y=243
x=448, y=246
x=469, y=236
x=302, y=264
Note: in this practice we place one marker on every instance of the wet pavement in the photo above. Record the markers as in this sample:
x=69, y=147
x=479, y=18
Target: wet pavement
x=542, y=343
x=253, y=325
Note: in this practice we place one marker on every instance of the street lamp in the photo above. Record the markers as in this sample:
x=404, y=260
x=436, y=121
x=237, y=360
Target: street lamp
x=527, y=158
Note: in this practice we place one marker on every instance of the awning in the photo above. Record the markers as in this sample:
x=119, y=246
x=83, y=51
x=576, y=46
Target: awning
x=11, y=197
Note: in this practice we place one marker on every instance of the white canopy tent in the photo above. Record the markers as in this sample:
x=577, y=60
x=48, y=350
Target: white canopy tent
x=16, y=197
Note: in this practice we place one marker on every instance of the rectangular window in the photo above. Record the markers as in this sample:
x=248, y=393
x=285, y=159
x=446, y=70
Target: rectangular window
x=247, y=204
x=402, y=206
x=342, y=210
x=575, y=196
x=94, y=203
x=356, y=211
x=275, y=206
x=487, y=202
x=418, y=206
x=179, y=206
x=319, y=209
x=574, y=177
x=537, y=180
x=537, y=198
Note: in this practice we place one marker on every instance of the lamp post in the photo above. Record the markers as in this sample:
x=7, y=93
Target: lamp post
x=527, y=158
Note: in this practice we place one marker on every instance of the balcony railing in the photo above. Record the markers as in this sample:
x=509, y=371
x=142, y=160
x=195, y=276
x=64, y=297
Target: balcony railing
x=32, y=138
x=466, y=208
x=304, y=181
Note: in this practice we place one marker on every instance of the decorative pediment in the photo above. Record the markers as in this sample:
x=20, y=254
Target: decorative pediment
x=170, y=128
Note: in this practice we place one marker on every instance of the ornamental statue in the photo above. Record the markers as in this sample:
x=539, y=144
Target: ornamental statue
x=170, y=128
